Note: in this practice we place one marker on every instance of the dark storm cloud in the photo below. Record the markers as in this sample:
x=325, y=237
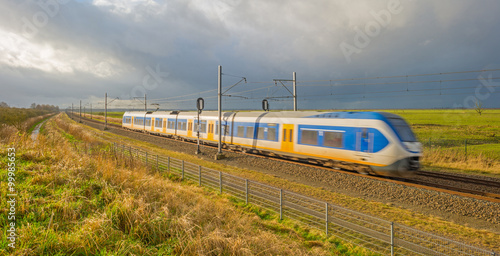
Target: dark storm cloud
x=169, y=48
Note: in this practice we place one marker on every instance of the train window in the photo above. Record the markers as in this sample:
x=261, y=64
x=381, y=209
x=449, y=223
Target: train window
x=309, y=137
x=365, y=133
x=333, y=139
x=181, y=126
x=241, y=131
x=261, y=135
x=203, y=126
x=138, y=121
x=402, y=129
x=271, y=133
x=284, y=134
x=249, y=133
x=190, y=126
x=291, y=135
x=158, y=122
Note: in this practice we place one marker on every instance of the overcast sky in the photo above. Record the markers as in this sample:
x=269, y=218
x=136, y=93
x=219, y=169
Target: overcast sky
x=61, y=52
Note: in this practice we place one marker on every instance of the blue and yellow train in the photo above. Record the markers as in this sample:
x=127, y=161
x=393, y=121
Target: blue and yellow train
x=368, y=142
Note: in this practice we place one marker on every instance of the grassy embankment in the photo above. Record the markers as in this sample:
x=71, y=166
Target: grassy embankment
x=74, y=202
x=444, y=134
x=21, y=119
x=385, y=211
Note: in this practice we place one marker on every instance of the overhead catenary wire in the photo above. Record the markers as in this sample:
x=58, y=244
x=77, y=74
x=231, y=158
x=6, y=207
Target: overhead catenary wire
x=404, y=82
x=401, y=76
x=252, y=95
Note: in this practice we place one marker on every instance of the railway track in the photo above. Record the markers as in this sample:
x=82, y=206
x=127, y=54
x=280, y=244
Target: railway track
x=482, y=187
x=462, y=185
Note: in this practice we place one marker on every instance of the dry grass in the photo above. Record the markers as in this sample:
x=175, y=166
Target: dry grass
x=7, y=131
x=71, y=202
x=456, y=159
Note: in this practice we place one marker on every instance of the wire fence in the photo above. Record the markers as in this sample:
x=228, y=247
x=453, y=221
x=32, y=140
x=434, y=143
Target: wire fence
x=374, y=234
x=457, y=143
x=461, y=147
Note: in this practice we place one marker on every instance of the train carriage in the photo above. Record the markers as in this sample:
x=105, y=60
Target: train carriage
x=368, y=142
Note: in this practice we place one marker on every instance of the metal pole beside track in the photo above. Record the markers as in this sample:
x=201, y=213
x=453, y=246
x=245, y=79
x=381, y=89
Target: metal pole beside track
x=182, y=170
x=220, y=182
x=105, y=111
x=246, y=191
x=294, y=91
x=80, y=111
x=219, y=154
x=199, y=170
x=281, y=204
x=392, y=238
x=326, y=218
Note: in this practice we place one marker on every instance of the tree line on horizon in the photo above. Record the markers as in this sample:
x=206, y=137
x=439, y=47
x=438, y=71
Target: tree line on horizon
x=17, y=116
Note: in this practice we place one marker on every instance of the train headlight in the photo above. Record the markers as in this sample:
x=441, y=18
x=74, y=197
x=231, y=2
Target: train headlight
x=414, y=147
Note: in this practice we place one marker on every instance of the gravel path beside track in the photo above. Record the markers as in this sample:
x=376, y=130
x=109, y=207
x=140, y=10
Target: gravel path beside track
x=466, y=211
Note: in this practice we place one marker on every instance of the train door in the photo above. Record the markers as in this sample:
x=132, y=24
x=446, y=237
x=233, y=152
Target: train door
x=164, y=125
x=364, y=144
x=153, y=124
x=190, y=128
x=210, y=132
x=287, y=138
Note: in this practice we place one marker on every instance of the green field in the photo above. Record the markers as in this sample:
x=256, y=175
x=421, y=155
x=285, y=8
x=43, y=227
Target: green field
x=453, y=124
x=110, y=114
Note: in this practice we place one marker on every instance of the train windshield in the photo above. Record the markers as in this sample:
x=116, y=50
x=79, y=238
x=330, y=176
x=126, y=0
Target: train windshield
x=402, y=129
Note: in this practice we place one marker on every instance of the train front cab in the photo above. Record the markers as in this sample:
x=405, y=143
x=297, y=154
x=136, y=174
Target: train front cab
x=409, y=149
